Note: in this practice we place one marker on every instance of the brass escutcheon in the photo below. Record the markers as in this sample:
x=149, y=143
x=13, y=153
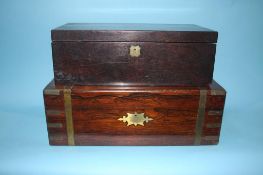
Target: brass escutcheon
x=135, y=51
x=135, y=119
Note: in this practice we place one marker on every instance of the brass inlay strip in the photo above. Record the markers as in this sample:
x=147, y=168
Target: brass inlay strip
x=219, y=112
x=200, y=117
x=68, y=114
x=213, y=125
x=218, y=92
x=54, y=125
x=211, y=138
x=54, y=112
x=56, y=137
x=52, y=91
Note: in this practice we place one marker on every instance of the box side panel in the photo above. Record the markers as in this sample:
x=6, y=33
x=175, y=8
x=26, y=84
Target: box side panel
x=213, y=119
x=55, y=116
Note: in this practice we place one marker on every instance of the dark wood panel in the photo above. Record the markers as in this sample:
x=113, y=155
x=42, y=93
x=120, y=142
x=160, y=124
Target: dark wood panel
x=165, y=90
x=55, y=131
x=109, y=63
x=212, y=119
x=133, y=32
x=210, y=140
x=106, y=122
x=58, y=138
x=215, y=102
x=54, y=102
x=211, y=131
x=139, y=140
x=137, y=100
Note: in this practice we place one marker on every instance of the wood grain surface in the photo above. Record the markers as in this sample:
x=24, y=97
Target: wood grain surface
x=96, y=109
x=99, y=54
x=110, y=63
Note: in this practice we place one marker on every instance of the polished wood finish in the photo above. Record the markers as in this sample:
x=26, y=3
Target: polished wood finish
x=95, y=110
x=98, y=54
x=134, y=32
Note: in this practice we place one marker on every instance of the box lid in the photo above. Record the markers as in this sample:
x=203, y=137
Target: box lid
x=130, y=32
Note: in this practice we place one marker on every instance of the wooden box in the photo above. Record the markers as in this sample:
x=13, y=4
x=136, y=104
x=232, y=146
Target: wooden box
x=122, y=115
x=133, y=54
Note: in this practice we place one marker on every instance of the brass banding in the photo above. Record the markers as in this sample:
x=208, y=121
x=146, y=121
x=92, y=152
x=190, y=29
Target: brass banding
x=54, y=125
x=213, y=125
x=217, y=92
x=200, y=117
x=68, y=114
x=211, y=138
x=54, y=112
x=52, y=92
x=219, y=112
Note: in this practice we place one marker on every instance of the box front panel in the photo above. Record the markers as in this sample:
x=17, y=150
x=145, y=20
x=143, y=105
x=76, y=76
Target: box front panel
x=103, y=114
x=105, y=121
x=133, y=63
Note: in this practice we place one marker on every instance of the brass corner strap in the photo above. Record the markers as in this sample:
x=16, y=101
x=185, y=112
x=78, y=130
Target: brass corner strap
x=68, y=115
x=200, y=117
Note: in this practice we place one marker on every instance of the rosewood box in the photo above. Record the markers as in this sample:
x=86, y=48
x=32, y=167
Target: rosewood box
x=133, y=115
x=133, y=54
